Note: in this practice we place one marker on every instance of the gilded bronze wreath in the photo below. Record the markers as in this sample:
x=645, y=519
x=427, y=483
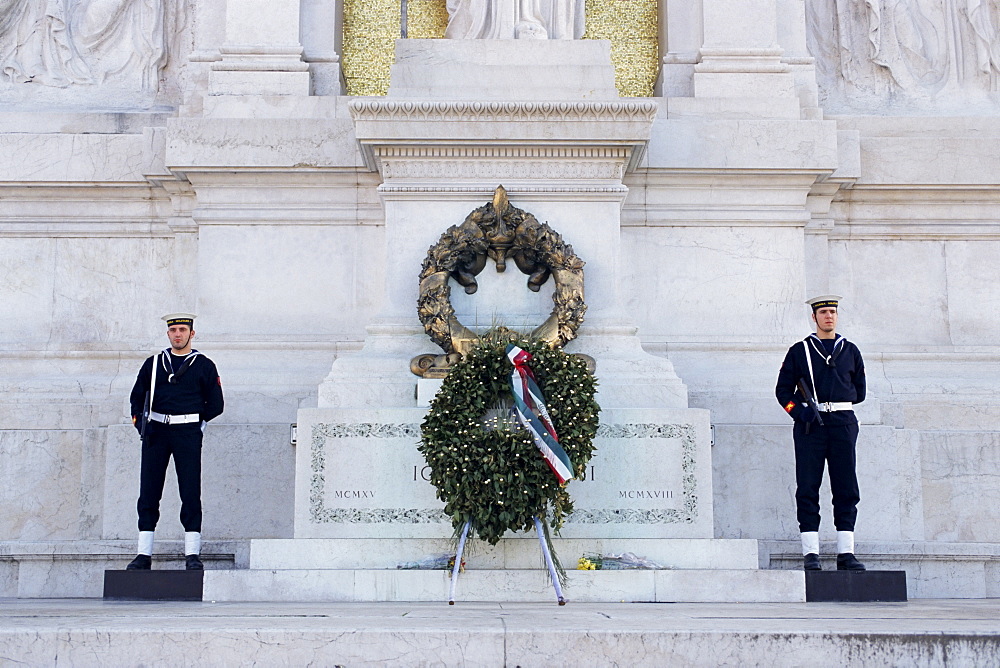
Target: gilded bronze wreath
x=499, y=231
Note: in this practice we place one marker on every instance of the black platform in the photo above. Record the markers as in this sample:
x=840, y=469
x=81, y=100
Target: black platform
x=855, y=586
x=153, y=585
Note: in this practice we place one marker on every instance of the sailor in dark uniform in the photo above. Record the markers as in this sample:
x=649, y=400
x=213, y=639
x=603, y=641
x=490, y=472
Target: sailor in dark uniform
x=170, y=413
x=820, y=380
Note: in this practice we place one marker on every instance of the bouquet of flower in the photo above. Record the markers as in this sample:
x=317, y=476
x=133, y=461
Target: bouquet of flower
x=592, y=561
x=433, y=562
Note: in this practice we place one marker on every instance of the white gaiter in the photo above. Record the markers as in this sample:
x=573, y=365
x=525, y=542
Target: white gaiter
x=145, y=543
x=810, y=542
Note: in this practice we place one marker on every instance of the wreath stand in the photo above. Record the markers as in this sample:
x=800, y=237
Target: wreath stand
x=545, y=551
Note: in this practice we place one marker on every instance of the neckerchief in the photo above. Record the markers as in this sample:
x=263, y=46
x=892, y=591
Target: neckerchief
x=173, y=377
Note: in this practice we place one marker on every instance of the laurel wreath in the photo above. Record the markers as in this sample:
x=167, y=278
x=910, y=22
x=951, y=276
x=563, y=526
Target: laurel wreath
x=485, y=466
x=457, y=250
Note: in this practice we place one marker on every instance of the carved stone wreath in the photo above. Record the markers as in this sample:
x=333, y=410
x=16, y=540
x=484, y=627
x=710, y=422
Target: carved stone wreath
x=499, y=231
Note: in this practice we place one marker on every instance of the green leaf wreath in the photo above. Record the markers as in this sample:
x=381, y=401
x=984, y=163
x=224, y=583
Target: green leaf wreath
x=485, y=466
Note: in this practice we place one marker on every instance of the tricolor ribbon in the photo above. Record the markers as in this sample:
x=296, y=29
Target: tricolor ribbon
x=531, y=411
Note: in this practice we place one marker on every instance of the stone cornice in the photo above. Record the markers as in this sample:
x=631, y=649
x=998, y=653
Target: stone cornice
x=492, y=170
x=616, y=191
x=43, y=210
x=514, y=126
x=382, y=109
x=910, y=230
x=615, y=153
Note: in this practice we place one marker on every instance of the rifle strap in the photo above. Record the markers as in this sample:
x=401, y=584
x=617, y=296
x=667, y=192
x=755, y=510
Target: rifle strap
x=152, y=384
x=812, y=379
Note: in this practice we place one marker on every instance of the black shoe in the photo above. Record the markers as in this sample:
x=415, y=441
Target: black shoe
x=142, y=562
x=192, y=562
x=848, y=562
x=810, y=562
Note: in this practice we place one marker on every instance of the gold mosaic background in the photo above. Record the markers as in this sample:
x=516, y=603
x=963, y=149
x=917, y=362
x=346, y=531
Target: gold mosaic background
x=372, y=26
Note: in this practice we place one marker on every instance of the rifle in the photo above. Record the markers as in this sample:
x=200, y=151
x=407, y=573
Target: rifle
x=144, y=419
x=811, y=398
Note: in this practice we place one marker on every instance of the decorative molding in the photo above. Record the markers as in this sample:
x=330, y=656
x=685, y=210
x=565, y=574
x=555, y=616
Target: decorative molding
x=687, y=513
x=928, y=353
x=49, y=228
x=492, y=170
x=364, y=430
x=648, y=430
x=908, y=230
x=617, y=128
x=500, y=152
x=708, y=216
x=274, y=215
x=486, y=190
x=121, y=351
x=318, y=511
x=374, y=109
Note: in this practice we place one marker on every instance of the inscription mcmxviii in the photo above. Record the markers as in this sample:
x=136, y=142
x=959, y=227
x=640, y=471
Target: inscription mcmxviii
x=320, y=513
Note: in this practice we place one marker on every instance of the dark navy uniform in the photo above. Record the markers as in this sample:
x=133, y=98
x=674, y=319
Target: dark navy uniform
x=839, y=373
x=188, y=388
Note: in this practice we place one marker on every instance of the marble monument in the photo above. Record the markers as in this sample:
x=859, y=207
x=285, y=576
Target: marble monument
x=216, y=155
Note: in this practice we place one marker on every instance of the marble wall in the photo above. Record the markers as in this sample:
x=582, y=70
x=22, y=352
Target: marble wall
x=755, y=485
x=41, y=484
x=247, y=482
x=127, y=195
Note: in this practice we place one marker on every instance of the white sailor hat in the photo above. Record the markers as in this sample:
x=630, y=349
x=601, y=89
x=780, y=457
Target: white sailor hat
x=180, y=319
x=823, y=301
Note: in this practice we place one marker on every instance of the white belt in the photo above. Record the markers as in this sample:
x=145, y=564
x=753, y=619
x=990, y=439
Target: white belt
x=174, y=419
x=831, y=406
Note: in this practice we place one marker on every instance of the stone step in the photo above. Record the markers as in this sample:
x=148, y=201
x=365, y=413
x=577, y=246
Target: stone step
x=92, y=633
x=509, y=553
x=76, y=569
x=933, y=569
x=662, y=586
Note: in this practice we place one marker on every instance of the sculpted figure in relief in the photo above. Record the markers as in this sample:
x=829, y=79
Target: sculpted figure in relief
x=63, y=42
x=917, y=48
x=515, y=19
x=123, y=36
x=36, y=44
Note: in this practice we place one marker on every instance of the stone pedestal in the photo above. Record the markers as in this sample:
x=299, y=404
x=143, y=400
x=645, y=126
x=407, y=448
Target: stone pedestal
x=740, y=72
x=153, y=585
x=359, y=475
x=261, y=56
x=855, y=586
x=496, y=69
x=662, y=586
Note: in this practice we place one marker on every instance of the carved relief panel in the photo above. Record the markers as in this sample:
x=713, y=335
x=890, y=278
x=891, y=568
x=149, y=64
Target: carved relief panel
x=873, y=54
x=85, y=51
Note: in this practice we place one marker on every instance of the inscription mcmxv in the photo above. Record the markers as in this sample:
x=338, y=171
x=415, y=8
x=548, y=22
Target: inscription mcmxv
x=354, y=493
